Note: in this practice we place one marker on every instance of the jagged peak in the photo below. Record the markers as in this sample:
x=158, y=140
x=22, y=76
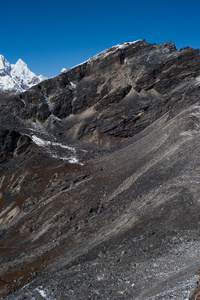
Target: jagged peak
x=2, y=57
x=16, y=77
x=20, y=62
x=4, y=64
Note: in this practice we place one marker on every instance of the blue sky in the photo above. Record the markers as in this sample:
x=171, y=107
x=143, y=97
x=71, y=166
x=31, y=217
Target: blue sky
x=51, y=34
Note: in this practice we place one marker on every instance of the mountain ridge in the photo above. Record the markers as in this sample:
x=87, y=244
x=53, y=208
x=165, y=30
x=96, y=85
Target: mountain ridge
x=100, y=179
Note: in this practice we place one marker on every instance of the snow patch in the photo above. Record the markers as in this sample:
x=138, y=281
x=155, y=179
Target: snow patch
x=197, y=81
x=38, y=141
x=71, y=160
x=43, y=293
x=56, y=118
x=72, y=86
x=188, y=133
x=63, y=70
x=37, y=129
x=46, y=100
x=54, y=151
x=63, y=146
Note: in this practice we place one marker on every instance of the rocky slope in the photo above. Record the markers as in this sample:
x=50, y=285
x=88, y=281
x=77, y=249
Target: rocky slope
x=100, y=179
x=195, y=294
x=16, y=77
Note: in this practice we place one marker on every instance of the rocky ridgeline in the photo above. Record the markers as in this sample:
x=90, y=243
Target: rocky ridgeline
x=112, y=96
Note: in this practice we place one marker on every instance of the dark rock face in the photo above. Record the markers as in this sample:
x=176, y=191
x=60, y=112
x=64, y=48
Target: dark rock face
x=128, y=90
x=10, y=142
x=99, y=185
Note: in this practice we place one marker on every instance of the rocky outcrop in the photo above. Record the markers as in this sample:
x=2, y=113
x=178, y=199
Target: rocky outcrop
x=12, y=142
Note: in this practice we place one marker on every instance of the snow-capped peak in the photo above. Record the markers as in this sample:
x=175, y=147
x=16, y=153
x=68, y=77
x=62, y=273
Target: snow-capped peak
x=3, y=61
x=5, y=67
x=20, y=64
x=16, y=77
x=63, y=70
x=21, y=69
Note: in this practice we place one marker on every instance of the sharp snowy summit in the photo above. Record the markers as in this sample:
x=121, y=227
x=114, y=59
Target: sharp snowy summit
x=17, y=77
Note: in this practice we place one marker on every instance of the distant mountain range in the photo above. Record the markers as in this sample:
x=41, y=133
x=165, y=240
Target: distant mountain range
x=17, y=77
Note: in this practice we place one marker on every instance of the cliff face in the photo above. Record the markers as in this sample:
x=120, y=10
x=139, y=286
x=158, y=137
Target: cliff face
x=100, y=178
x=114, y=95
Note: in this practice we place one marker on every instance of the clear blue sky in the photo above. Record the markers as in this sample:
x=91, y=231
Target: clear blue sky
x=51, y=34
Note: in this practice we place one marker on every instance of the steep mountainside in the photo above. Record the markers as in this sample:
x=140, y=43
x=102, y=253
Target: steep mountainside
x=100, y=179
x=16, y=77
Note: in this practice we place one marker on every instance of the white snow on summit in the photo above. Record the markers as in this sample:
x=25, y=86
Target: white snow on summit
x=63, y=70
x=17, y=77
x=4, y=64
x=107, y=52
